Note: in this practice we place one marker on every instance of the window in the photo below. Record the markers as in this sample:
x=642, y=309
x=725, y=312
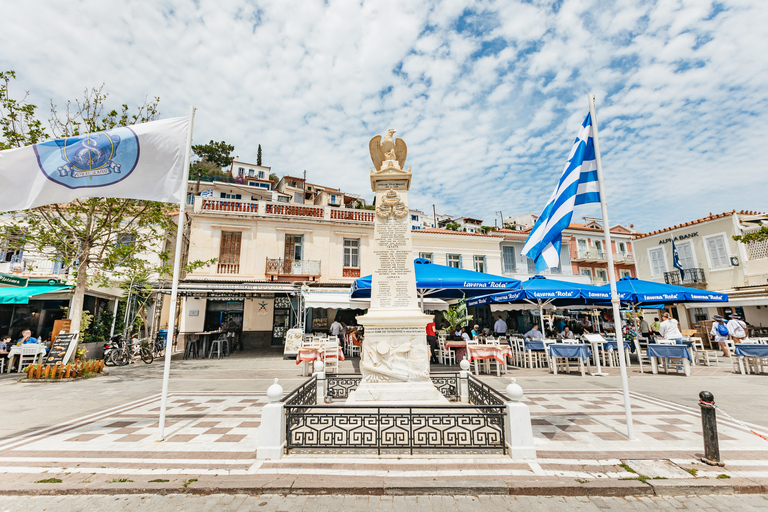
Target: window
x=685, y=253
x=415, y=218
x=240, y=171
x=333, y=198
x=294, y=247
x=229, y=252
x=251, y=173
x=125, y=239
x=718, y=256
x=531, y=265
x=293, y=184
x=622, y=247
x=351, y=253
x=582, y=244
x=585, y=272
x=700, y=314
x=453, y=260
x=658, y=264
x=261, y=174
x=598, y=246
x=427, y=256
x=625, y=273
x=602, y=275
x=231, y=196
x=479, y=262
x=283, y=199
x=508, y=258
x=190, y=199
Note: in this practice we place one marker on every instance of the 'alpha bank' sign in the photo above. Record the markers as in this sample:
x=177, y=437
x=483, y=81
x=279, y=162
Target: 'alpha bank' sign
x=681, y=237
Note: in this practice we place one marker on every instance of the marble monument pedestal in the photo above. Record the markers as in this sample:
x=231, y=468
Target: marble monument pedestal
x=395, y=360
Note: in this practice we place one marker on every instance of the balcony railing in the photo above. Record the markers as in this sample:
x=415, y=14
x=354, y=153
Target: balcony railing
x=225, y=205
x=692, y=276
x=351, y=272
x=284, y=267
x=294, y=210
x=359, y=215
x=228, y=268
x=625, y=257
x=589, y=255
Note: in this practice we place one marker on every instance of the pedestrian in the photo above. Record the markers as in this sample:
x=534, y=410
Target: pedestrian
x=669, y=329
x=336, y=330
x=432, y=339
x=720, y=332
x=655, y=326
x=737, y=329
x=500, y=327
x=645, y=329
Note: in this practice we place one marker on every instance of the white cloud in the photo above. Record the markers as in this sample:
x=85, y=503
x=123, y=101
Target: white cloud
x=487, y=94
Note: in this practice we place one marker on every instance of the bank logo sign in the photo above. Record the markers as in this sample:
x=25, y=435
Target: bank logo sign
x=94, y=160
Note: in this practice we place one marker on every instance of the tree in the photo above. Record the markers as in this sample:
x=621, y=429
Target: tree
x=453, y=226
x=258, y=156
x=217, y=153
x=457, y=315
x=101, y=240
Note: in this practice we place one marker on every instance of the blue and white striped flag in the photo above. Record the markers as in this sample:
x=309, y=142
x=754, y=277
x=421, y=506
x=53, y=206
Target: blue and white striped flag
x=577, y=185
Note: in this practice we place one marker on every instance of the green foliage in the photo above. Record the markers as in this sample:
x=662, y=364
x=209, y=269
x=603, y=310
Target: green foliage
x=274, y=177
x=453, y=226
x=756, y=236
x=18, y=123
x=217, y=153
x=258, y=156
x=457, y=315
x=158, y=480
x=486, y=229
x=49, y=481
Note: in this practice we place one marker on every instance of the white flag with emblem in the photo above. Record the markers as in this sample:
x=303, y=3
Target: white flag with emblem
x=143, y=161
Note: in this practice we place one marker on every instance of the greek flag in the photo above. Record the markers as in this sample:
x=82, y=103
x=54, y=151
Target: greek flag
x=577, y=185
x=206, y=193
x=676, y=261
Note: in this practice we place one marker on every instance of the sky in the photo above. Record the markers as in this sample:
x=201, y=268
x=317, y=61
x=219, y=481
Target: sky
x=488, y=95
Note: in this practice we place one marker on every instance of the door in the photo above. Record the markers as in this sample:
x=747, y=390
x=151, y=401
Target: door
x=293, y=254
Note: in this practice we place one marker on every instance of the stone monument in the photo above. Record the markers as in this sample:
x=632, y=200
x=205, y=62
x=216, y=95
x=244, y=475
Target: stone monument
x=395, y=354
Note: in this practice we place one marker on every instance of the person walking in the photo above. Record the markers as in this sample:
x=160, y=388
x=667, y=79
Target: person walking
x=432, y=340
x=500, y=327
x=720, y=332
x=737, y=329
x=669, y=329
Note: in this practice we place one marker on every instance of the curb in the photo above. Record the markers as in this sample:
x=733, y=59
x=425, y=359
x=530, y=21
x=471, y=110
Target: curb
x=294, y=485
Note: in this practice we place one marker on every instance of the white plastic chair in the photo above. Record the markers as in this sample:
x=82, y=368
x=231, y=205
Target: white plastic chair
x=331, y=356
x=444, y=354
x=704, y=356
x=29, y=355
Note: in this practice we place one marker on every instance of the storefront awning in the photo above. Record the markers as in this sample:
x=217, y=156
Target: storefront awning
x=23, y=295
x=341, y=300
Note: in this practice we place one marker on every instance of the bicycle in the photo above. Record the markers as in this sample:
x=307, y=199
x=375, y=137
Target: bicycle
x=123, y=354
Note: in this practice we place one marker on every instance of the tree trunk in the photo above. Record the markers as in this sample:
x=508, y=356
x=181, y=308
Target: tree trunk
x=76, y=304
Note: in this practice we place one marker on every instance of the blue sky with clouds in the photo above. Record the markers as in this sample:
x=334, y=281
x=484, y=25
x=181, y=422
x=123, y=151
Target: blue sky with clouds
x=488, y=95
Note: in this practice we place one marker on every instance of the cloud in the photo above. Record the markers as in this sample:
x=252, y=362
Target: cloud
x=488, y=94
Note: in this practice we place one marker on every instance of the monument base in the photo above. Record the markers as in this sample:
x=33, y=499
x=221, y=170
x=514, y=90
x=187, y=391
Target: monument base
x=396, y=393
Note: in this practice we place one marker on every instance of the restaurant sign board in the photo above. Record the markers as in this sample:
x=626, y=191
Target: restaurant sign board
x=62, y=349
x=9, y=280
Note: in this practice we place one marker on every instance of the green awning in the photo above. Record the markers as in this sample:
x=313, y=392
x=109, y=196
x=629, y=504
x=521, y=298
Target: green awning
x=23, y=295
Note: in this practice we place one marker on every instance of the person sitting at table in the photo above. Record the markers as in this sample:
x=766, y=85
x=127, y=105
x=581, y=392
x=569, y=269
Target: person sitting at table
x=721, y=333
x=534, y=333
x=566, y=334
x=475, y=331
x=5, y=343
x=26, y=337
x=486, y=331
x=465, y=334
x=669, y=329
x=457, y=333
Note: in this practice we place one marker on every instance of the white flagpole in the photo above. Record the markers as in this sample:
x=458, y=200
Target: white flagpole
x=611, y=271
x=176, y=271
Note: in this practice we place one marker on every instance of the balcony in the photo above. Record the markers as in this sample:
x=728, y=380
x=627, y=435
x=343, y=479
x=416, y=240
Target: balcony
x=228, y=268
x=351, y=272
x=623, y=257
x=267, y=209
x=693, y=276
x=228, y=205
x=590, y=255
x=358, y=215
x=277, y=267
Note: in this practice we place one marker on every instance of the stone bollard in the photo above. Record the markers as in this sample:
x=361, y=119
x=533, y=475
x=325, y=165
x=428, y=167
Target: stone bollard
x=709, y=429
x=321, y=381
x=464, y=381
x=271, y=442
x=519, y=432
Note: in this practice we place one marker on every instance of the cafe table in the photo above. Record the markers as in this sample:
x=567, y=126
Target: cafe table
x=309, y=354
x=567, y=351
x=657, y=353
x=16, y=352
x=488, y=352
x=752, y=354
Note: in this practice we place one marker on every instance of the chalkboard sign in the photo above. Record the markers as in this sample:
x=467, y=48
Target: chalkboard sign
x=62, y=348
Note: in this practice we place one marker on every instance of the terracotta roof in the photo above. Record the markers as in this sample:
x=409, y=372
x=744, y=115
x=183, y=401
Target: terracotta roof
x=698, y=221
x=439, y=231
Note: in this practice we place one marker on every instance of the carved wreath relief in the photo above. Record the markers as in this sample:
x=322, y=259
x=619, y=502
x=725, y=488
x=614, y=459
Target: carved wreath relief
x=391, y=205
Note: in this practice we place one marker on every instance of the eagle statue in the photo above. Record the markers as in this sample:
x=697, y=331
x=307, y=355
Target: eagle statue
x=387, y=148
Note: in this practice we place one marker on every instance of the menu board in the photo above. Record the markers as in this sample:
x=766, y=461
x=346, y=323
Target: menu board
x=61, y=349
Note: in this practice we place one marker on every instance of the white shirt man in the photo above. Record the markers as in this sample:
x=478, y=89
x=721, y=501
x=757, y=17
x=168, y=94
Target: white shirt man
x=669, y=329
x=566, y=334
x=335, y=328
x=534, y=333
x=737, y=328
x=500, y=327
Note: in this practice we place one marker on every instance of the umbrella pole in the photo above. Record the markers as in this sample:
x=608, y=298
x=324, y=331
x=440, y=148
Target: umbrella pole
x=541, y=320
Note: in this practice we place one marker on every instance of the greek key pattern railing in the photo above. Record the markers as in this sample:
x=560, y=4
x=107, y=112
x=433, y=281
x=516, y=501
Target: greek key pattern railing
x=479, y=426
x=482, y=394
x=404, y=427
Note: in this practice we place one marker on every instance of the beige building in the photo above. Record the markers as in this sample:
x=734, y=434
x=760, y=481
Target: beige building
x=712, y=260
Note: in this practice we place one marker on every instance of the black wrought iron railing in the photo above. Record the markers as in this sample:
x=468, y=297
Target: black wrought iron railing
x=475, y=426
x=687, y=276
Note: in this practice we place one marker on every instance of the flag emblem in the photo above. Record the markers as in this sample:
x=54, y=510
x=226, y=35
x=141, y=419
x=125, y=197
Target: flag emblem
x=94, y=160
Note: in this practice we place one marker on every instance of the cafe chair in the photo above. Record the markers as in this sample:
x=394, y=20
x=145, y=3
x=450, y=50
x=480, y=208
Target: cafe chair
x=28, y=355
x=444, y=354
x=217, y=346
x=331, y=356
x=704, y=356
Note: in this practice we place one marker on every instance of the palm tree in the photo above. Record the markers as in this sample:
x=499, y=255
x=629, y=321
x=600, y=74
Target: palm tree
x=457, y=315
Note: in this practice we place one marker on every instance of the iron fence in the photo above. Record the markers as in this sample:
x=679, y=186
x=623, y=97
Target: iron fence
x=477, y=426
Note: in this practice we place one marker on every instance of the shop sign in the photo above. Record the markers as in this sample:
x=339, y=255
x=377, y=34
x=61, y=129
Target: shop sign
x=9, y=280
x=681, y=237
x=61, y=348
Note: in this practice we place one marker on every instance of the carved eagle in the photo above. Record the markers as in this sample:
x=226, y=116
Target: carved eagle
x=384, y=148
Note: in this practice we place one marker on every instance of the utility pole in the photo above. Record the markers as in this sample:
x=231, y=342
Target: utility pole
x=434, y=217
x=304, y=195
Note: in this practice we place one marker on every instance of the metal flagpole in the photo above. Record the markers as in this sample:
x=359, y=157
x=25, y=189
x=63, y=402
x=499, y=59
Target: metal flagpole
x=611, y=271
x=176, y=271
